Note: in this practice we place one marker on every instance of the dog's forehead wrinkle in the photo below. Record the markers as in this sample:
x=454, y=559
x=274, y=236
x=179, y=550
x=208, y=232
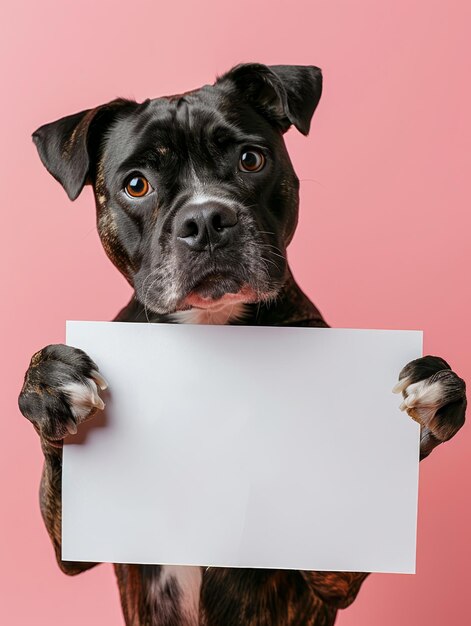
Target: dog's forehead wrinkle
x=192, y=120
x=170, y=134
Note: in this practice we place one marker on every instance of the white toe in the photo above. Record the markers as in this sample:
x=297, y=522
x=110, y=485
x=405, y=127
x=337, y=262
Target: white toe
x=71, y=426
x=100, y=380
x=401, y=385
x=83, y=397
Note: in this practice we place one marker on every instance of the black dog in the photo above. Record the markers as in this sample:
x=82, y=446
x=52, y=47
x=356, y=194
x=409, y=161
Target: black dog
x=197, y=202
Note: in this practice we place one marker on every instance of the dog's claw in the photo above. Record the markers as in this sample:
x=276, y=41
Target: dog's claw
x=99, y=379
x=410, y=400
x=98, y=403
x=401, y=385
x=71, y=426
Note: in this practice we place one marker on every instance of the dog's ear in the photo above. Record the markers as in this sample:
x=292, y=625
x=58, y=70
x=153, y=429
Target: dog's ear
x=66, y=147
x=285, y=94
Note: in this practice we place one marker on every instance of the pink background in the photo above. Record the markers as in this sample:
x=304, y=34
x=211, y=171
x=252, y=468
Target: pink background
x=383, y=240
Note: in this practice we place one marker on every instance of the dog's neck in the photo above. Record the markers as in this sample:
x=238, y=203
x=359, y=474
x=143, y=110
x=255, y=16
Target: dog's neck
x=290, y=308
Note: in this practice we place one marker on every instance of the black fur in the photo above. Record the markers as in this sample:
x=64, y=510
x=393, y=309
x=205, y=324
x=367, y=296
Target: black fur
x=185, y=145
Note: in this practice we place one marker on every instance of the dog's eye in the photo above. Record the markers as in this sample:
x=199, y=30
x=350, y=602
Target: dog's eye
x=137, y=187
x=251, y=161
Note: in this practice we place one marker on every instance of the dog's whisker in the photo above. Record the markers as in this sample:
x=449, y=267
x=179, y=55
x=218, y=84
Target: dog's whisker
x=146, y=291
x=274, y=253
x=146, y=309
x=270, y=245
x=89, y=232
x=312, y=180
x=267, y=232
x=264, y=259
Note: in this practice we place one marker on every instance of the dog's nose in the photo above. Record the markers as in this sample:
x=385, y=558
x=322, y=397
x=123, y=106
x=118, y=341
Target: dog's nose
x=210, y=225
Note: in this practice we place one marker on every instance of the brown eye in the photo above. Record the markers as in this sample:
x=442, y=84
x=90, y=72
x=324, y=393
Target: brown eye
x=137, y=186
x=251, y=161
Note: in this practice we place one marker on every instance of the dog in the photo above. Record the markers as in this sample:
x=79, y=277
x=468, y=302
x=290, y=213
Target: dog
x=197, y=201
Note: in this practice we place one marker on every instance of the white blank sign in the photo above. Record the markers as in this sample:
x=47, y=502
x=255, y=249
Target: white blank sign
x=244, y=447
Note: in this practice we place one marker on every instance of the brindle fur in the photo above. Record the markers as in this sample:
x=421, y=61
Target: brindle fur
x=73, y=150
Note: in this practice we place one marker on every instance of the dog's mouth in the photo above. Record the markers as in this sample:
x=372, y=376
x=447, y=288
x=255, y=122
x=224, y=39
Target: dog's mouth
x=217, y=290
x=214, y=283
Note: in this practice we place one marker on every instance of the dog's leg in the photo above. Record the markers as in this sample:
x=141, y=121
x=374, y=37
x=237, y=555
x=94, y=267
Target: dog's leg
x=51, y=506
x=336, y=589
x=59, y=392
x=435, y=397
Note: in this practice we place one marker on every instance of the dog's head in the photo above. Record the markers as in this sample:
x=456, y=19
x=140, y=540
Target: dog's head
x=196, y=196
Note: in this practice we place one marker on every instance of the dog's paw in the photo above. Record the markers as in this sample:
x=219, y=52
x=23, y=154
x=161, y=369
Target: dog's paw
x=434, y=396
x=60, y=391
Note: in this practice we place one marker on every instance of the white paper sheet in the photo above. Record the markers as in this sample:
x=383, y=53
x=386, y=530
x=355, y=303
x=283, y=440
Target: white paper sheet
x=247, y=447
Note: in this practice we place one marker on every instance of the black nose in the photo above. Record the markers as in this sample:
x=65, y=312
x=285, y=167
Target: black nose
x=206, y=226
